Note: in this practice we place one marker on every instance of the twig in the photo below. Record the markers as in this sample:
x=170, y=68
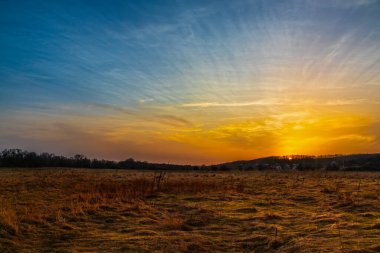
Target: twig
x=340, y=237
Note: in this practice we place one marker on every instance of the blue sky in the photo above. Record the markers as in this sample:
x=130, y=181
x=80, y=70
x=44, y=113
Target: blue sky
x=134, y=75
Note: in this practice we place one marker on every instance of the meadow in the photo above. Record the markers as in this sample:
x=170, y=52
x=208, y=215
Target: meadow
x=84, y=210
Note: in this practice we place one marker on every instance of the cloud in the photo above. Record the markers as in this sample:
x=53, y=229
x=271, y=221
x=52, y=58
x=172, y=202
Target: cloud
x=282, y=102
x=173, y=120
x=355, y=137
x=236, y=104
x=191, y=73
x=147, y=116
x=113, y=108
x=66, y=138
x=347, y=101
x=344, y=3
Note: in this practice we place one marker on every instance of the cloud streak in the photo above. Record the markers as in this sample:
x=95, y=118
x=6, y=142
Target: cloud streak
x=185, y=72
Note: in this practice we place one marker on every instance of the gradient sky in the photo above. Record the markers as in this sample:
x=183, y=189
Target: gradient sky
x=190, y=81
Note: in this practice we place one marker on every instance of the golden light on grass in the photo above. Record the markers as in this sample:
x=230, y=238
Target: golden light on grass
x=188, y=211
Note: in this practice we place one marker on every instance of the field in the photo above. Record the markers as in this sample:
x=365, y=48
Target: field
x=83, y=210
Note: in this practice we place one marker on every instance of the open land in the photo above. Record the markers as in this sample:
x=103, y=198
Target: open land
x=85, y=210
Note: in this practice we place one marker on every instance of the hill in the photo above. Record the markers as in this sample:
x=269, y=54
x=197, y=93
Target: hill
x=355, y=162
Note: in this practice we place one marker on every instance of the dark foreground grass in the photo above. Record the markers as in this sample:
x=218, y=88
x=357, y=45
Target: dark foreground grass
x=74, y=210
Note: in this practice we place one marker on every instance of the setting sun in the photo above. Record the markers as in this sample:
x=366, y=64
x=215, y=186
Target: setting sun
x=190, y=82
x=192, y=126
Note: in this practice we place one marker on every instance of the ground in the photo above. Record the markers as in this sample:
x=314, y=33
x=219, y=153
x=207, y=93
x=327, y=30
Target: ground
x=83, y=210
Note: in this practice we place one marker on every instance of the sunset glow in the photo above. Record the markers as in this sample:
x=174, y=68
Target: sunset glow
x=189, y=81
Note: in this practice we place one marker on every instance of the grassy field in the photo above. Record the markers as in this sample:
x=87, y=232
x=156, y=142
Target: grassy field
x=77, y=210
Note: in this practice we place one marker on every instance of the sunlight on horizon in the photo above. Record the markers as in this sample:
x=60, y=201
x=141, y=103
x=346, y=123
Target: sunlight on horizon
x=191, y=82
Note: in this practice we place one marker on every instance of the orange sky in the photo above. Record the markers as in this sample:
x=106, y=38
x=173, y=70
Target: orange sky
x=191, y=82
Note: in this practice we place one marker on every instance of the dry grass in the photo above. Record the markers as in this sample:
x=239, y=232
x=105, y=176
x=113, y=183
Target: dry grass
x=74, y=210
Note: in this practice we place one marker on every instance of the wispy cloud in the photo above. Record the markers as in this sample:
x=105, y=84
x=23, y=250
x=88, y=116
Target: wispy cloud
x=344, y=3
x=348, y=101
x=147, y=116
x=190, y=72
x=279, y=102
x=237, y=104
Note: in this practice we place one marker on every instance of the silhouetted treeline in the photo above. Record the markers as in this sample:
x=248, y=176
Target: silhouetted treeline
x=360, y=162
x=22, y=158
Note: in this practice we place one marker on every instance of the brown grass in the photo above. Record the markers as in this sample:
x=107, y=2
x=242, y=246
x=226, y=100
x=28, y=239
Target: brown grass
x=74, y=210
x=8, y=219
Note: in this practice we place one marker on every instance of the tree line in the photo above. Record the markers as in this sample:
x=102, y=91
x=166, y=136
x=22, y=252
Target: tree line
x=23, y=158
x=360, y=162
x=356, y=162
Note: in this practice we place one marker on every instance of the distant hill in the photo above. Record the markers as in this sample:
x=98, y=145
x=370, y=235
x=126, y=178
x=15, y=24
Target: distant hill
x=355, y=162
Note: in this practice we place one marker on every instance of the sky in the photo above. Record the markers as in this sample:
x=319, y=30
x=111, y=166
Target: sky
x=190, y=82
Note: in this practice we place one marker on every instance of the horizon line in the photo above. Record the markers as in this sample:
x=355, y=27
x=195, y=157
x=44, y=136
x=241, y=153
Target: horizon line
x=290, y=157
